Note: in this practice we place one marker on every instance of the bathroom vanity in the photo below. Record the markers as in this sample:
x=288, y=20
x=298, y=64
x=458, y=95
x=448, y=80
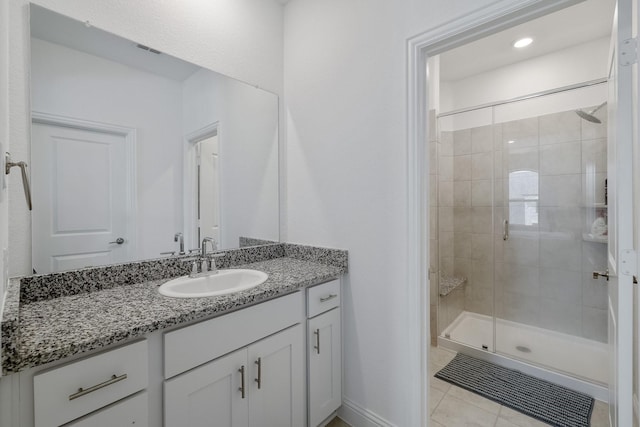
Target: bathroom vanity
x=102, y=347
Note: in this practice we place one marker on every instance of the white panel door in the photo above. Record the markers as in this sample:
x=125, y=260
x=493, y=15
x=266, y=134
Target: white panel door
x=211, y=395
x=80, y=198
x=276, y=397
x=621, y=254
x=325, y=366
x=208, y=189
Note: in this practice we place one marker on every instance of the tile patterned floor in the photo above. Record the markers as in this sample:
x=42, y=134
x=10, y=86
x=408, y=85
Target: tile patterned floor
x=337, y=422
x=452, y=406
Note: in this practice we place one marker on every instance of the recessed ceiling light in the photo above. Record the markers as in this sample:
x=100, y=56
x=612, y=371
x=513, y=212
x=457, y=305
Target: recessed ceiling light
x=524, y=42
x=510, y=141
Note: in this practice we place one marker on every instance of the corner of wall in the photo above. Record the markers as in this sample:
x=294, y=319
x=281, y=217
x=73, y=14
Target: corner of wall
x=4, y=138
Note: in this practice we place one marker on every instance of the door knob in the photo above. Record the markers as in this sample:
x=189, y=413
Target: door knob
x=118, y=241
x=605, y=274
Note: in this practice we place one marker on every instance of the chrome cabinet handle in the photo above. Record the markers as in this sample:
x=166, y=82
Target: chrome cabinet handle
x=118, y=241
x=327, y=298
x=84, y=391
x=259, y=379
x=241, y=370
x=317, y=334
x=505, y=230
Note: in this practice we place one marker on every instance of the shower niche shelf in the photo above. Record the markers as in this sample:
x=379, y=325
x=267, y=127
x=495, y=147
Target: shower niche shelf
x=588, y=237
x=448, y=284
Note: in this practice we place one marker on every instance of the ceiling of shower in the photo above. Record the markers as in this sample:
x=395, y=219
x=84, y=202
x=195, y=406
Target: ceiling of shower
x=586, y=21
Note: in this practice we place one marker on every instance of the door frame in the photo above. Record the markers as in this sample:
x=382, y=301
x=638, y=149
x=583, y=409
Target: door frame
x=129, y=135
x=190, y=177
x=481, y=22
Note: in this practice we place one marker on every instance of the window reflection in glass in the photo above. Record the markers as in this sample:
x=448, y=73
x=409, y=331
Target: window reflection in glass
x=523, y=197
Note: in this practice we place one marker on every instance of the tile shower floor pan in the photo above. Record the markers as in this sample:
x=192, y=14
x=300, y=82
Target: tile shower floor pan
x=576, y=356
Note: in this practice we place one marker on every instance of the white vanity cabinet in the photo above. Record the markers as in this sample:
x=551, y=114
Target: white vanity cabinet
x=261, y=384
x=324, y=351
x=132, y=411
x=273, y=364
x=73, y=390
x=258, y=386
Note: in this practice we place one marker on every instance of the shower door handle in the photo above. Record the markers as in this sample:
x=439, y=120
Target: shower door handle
x=605, y=274
x=505, y=230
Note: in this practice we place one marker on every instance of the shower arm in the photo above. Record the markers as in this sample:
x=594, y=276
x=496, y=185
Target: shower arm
x=25, y=179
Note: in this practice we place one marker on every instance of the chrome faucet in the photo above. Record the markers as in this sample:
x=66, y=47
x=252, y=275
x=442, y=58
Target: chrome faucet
x=203, y=246
x=179, y=237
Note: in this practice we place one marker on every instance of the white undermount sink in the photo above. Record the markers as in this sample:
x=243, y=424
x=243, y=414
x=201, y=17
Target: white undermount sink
x=221, y=283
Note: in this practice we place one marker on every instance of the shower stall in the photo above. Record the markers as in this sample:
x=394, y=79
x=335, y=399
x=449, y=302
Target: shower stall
x=520, y=225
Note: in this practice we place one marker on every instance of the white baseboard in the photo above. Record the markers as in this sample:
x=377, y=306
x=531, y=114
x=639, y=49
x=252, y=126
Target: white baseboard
x=357, y=416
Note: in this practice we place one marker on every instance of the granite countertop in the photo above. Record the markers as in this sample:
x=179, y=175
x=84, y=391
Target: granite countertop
x=47, y=330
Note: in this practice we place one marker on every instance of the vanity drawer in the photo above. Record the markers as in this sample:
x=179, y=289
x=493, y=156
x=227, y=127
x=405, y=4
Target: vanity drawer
x=323, y=297
x=194, y=345
x=103, y=378
x=132, y=411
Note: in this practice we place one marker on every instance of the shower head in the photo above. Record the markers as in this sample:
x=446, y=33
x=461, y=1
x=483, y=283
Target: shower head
x=589, y=116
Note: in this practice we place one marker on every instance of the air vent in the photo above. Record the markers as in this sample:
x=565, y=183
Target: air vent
x=147, y=48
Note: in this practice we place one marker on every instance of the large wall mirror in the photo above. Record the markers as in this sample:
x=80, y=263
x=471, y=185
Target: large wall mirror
x=133, y=150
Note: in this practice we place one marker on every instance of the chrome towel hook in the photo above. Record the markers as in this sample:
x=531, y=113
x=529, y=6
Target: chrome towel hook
x=25, y=180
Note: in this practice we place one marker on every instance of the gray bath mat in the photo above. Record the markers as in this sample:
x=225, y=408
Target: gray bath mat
x=540, y=399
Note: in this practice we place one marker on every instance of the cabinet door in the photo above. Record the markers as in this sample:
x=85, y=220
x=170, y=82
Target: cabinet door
x=325, y=366
x=277, y=380
x=209, y=396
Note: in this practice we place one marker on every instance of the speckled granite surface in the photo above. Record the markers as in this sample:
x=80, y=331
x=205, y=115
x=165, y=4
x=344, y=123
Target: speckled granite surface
x=250, y=241
x=47, y=286
x=10, y=321
x=335, y=257
x=48, y=329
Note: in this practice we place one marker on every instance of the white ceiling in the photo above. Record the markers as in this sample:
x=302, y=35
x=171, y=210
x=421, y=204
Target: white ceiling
x=589, y=20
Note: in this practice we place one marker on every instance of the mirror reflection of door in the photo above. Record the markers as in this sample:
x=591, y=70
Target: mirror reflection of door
x=208, y=189
x=82, y=210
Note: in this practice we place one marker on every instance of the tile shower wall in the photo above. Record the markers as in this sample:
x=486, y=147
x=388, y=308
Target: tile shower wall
x=548, y=174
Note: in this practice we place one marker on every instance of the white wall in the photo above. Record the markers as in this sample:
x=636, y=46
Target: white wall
x=239, y=38
x=248, y=149
x=345, y=95
x=4, y=140
x=565, y=67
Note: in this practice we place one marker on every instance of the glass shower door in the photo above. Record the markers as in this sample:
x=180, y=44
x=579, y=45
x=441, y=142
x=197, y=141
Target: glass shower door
x=548, y=308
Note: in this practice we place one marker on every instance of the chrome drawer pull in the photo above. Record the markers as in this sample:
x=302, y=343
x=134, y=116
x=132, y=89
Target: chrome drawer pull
x=327, y=298
x=259, y=379
x=241, y=370
x=81, y=392
x=317, y=334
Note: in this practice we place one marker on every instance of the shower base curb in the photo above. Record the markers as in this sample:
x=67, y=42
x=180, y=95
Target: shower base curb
x=599, y=392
